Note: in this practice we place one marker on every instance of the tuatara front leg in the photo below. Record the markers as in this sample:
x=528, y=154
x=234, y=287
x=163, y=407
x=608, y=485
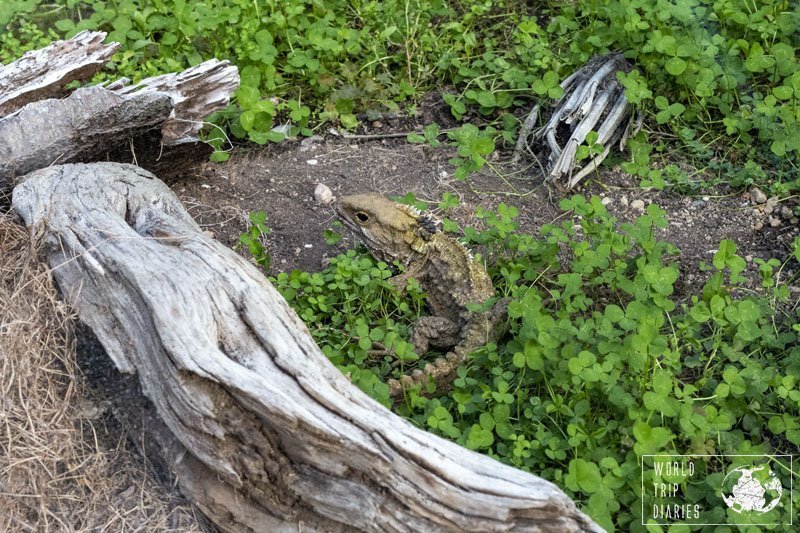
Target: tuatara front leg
x=435, y=331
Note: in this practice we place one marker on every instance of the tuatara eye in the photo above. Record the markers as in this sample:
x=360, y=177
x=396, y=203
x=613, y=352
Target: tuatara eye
x=362, y=217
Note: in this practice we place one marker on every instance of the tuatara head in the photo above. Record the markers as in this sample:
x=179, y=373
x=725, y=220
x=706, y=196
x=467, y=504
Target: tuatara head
x=390, y=230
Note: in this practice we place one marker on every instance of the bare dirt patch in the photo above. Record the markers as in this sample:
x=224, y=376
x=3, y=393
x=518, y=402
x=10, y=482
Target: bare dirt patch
x=281, y=179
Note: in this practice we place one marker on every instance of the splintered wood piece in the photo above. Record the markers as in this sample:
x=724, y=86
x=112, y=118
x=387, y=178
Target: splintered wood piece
x=94, y=123
x=268, y=435
x=593, y=100
x=566, y=160
x=196, y=93
x=43, y=73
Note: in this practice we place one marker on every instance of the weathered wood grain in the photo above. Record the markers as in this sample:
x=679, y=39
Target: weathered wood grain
x=196, y=93
x=43, y=73
x=272, y=437
x=82, y=127
x=94, y=122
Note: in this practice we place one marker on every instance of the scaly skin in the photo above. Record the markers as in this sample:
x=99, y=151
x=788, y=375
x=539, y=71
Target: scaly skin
x=443, y=267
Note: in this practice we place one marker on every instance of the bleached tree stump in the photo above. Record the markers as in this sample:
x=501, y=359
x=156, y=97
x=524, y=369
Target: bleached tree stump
x=593, y=100
x=271, y=436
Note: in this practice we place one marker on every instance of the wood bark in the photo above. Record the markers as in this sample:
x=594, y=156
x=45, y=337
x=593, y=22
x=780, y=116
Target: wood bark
x=269, y=436
x=44, y=73
x=196, y=93
x=82, y=127
x=95, y=123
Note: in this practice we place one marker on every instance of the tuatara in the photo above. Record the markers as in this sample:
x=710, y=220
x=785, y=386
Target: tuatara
x=444, y=268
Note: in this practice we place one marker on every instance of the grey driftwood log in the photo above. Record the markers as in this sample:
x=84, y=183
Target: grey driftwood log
x=82, y=127
x=195, y=92
x=272, y=437
x=94, y=121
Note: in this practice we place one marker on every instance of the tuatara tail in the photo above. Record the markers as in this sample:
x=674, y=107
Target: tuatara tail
x=442, y=371
x=485, y=328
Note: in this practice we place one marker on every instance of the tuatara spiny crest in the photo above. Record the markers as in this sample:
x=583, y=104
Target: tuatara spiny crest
x=444, y=268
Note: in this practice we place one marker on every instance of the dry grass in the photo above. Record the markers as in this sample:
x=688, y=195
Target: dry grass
x=55, y=473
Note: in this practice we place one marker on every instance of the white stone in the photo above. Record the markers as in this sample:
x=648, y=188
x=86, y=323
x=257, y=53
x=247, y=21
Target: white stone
x=757, y=195
x=323, y=194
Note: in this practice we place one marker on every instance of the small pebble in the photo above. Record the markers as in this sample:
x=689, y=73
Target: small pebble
x=757, y=195
x=308, y=245
x=771, y=205
x=90, y=410
x=758, y=225
x=323, y=194
x=794, y=220
x=624, y=201
x=786, y=212
x=312, y=161
x=638, y=205
x=774, y=222
x=309, y=142
x=283, y=129
x=698, y=203
x=607, y=200
x=748, y=258
x=706, y=198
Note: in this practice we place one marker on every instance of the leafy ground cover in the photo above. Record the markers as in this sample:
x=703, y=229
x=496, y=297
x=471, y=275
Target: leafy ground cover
x=718, y=79
x=603, y=362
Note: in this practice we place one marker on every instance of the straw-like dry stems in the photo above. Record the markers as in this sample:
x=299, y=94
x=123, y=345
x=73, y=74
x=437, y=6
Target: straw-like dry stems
x=57, y=471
